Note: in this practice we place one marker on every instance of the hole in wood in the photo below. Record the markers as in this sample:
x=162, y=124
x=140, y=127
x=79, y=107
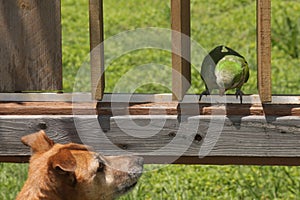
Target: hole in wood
x=198, y=138
x=172, y=134
x=122, y=146
x=42, y=125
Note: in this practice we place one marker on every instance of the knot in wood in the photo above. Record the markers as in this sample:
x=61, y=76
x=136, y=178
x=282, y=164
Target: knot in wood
x=198, y=138
x=172, y=134
x=42, y=125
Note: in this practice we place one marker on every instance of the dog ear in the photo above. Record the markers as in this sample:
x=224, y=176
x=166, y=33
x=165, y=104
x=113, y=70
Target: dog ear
x=63, y=161
x=39, y=142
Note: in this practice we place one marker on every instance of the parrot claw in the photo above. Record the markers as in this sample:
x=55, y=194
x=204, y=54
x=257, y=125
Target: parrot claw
x=206, y=92
x=240, y=94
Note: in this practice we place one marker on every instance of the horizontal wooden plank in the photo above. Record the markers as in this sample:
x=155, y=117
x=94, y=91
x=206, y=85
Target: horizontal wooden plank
x=44, y=97
x=170, y=108
x=141, y=104
x=188, y=160
x=175, y=108
x=141, y=98
x=162, y=139
x=47, y=108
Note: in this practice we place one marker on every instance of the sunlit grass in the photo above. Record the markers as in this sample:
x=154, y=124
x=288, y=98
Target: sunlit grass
x=229, y=22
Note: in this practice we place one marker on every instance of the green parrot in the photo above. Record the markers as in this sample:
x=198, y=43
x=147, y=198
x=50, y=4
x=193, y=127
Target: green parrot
x=224, y=69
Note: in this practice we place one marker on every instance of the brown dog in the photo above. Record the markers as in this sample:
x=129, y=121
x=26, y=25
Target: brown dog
x=72, y=171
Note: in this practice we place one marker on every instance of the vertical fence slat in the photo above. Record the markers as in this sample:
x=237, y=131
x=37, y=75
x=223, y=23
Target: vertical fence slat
x=30, y=45
x=97, y=48
x=180, y=23
x=264, y=49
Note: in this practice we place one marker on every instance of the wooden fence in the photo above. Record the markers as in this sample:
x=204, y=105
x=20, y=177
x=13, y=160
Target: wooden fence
x=30, y=46
x=263, y=130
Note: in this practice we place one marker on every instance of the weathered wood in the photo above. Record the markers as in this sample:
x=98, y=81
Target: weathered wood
x=141, y=98
x=172, y=108
x=47, y=108
x=161, y=139
x=97, y=48
x=45, y=97
x=68, y=104
x=188, y=160
x=181, y=47
x=264, y=49
x=30, y=48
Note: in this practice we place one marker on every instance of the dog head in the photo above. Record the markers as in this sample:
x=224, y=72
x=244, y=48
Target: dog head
x=74, y=171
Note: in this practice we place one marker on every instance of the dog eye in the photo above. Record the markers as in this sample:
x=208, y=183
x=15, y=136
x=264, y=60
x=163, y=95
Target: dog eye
x=100, y=167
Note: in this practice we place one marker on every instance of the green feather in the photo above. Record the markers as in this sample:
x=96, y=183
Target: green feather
x=231, y=72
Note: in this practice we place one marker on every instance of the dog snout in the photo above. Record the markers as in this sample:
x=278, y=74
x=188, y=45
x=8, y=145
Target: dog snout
x=135, y=172
x=139, y=161
x=137, y=169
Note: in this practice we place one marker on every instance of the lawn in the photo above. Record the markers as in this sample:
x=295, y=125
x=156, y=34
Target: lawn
x=229, y=22
x=189, y=182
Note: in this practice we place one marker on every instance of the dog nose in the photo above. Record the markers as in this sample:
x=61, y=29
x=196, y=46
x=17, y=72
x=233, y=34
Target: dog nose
x=140, y=161
x=137, y=169
x=135, y=172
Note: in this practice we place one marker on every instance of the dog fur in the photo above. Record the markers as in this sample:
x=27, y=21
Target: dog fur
x=72, y=172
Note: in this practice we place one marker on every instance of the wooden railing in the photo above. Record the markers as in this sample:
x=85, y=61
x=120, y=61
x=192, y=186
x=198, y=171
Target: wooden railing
x=262, y=130
x=181, y=73
x=251, y=133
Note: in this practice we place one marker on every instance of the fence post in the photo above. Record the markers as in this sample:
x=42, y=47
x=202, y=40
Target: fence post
x=264, y=49
x=180, y=24
x=96, y=48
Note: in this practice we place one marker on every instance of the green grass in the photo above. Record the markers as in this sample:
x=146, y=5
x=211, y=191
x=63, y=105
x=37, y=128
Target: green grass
x=229, y=22
x=12, y=177
x=218, y=182
x=190, y=182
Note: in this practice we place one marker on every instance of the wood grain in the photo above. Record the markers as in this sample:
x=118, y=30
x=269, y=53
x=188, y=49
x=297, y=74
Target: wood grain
x=146, y=108
x=161, y=139
x=30, y=54
x=46, y=108
x=264, y=49
x=142, y=98
x=181, y=48
x=97, y=48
